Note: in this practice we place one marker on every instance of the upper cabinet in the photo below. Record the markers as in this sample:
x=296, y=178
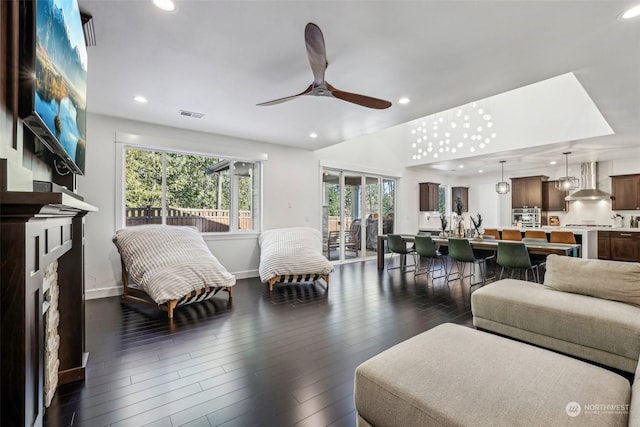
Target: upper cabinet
x=463, y=194
x=552, y=198
x=527, y=191
x=429, y=197
x=625, y=190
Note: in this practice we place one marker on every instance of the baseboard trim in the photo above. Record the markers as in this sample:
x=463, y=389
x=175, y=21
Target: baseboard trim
x=116, y=289
x=112, y=291
x=246, y=274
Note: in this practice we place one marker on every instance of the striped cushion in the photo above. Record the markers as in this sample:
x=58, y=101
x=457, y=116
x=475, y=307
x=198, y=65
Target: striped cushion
x=292, y=251
x=170, y=262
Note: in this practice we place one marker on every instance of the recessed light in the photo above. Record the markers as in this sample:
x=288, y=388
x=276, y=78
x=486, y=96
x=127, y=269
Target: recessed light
x=480, y=171
x=141, y=99
x=166, y=5
x=552, y=162
x=404, y=100
x=631, y=13
x=313, y=135
x=461, y=166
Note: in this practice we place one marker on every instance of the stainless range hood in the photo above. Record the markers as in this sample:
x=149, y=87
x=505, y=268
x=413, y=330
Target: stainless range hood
x=589, y=190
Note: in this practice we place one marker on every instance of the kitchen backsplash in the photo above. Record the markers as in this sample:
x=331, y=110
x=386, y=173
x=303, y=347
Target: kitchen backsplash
x=580, y=212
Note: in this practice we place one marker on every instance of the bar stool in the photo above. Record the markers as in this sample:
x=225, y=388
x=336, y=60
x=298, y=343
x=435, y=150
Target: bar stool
x=491, y=232
x=563, y=237
x=511, y=234
x=535, y=234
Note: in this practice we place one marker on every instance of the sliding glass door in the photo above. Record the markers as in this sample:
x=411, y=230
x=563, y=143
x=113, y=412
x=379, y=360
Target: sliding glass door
x=355, y=209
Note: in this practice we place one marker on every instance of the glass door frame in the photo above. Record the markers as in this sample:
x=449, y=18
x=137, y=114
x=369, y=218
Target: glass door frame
x=364, y=176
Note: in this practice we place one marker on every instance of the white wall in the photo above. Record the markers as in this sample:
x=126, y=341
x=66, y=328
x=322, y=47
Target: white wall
x=377, y=153
x=291, y=190
x=290, y=193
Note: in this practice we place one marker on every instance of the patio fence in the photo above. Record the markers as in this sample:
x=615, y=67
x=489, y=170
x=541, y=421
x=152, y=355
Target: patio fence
x=206, y=220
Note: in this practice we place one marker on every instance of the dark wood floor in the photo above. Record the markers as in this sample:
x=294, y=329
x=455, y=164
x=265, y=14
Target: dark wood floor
x=273, y=360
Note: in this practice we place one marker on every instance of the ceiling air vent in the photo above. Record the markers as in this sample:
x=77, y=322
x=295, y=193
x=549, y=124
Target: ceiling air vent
x=191, y=114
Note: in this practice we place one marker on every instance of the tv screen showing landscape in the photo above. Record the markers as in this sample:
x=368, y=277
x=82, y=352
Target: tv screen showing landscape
x=61, y=78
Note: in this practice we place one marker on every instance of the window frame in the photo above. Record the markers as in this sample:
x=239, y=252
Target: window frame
x=257, y=197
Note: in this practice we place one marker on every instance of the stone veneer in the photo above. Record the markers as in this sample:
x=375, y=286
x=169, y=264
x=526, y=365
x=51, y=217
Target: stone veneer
x=52, y=339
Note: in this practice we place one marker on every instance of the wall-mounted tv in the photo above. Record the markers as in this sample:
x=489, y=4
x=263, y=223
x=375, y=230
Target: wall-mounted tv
x=53, y=83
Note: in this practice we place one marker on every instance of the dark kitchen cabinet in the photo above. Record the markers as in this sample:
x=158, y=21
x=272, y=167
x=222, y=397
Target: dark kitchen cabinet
x=604, y=245
x=527, y=191
x=624, y=246
x=463, y=194
x=619, y=245
x=552, y=198
x=429, y=197
x=625, y=190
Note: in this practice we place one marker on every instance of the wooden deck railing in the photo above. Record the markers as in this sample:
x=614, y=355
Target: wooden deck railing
x=206, y=220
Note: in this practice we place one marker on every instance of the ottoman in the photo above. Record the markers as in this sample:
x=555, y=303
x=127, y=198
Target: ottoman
x=453, y=375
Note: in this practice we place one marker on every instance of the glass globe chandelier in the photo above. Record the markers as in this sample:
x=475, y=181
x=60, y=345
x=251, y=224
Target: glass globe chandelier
x=465, y=129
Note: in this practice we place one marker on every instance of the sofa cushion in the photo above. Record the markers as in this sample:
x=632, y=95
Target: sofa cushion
x=634, y=408
x=453, y=375
x=609, y=326
x=612, y=280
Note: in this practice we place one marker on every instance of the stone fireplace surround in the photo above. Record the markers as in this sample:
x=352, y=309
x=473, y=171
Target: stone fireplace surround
x=51, y=337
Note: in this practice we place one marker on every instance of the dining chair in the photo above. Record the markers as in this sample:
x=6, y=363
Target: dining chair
x=492, y=232
x=539, y=260
x=461, y=254
x=426, y=248
x=511, y=234
x=397, y=245
x=515, y=256
x=535, y=234
x=562, y=237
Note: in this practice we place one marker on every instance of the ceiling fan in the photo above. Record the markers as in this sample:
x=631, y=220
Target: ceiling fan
x=320, y=87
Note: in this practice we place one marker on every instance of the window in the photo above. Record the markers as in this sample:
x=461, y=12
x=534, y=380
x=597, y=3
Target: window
x=442, y=199
x=210, y=193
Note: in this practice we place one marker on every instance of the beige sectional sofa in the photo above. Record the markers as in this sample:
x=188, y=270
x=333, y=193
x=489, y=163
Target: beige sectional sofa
x=453, y=375
x=587, y=308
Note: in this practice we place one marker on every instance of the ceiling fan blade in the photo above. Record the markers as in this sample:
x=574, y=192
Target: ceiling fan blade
x=285, y=99
x=316, y=52
x=365, y=101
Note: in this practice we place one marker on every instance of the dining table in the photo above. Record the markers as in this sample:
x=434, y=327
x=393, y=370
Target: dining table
x=534, y=248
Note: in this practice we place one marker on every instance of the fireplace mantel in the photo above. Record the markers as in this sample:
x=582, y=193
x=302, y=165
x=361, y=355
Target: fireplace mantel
x=38, y=228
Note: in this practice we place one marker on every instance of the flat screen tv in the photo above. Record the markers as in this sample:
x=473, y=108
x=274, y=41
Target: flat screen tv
x=53, y=84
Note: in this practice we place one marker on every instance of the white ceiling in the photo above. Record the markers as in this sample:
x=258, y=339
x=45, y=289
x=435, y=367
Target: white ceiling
x=221, y=58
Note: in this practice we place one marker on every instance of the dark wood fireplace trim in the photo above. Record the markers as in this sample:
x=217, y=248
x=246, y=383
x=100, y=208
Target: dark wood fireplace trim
x=36, y=229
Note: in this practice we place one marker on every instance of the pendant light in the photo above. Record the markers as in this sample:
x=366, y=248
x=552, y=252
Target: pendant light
x=567, y=183
x=502, y=187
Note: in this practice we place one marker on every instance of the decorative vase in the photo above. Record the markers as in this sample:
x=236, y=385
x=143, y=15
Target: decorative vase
x=443, y=234
x=458, y=230
x=478, y=235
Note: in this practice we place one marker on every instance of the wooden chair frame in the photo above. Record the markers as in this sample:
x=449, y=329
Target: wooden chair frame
x=291, y=278
x=133, y=293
